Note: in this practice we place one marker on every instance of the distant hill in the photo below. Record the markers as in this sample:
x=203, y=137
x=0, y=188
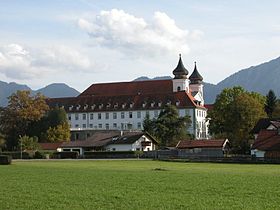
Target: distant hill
x=52, y=90
x=260, y=78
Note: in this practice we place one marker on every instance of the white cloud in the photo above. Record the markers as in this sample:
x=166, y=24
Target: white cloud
x=132, y=35
x=17, y=62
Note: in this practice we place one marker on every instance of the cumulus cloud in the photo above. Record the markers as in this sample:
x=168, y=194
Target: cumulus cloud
x=18, y=62
x=119, y=30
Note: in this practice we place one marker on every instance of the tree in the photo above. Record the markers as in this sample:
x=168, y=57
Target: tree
x=168, y=128
x=270, y=103
x=276, y=111
x=235, y=113
x=28, y=143
x=2, y=142
x=59, y=133
x=22, y=111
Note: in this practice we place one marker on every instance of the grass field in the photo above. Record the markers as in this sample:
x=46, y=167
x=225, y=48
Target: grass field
x=137, y=185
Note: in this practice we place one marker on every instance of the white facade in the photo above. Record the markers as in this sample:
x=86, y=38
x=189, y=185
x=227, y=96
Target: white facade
x=136, y=146
x=133, y=120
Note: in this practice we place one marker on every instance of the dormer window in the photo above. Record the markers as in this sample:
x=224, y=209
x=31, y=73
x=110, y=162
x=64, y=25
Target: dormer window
x=116, y=105
x=100, y=106
x=123, y=105
x=159, y=104
x=70, y=108
x=152, y=104
x=85, y=107
x=168, y=102
x=78, y=107
x=93, y=106
x=177, y=103
x=144, y=104
x=131, y=105
x=108, y=105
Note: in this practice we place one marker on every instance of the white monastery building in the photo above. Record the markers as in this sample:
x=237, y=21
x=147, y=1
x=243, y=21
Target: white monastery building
x=124, y=105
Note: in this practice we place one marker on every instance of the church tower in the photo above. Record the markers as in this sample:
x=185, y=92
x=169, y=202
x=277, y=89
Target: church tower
x=196, y=84
x=180, y=81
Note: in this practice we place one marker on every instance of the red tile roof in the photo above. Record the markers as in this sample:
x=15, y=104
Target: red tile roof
x=267, y=140
x=99, y=103
x=209, y=106
x=189, y=144
x=129, y=88
x=50, y=146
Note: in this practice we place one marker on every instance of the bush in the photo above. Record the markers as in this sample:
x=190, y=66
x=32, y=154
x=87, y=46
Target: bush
x=5, y=159
x=17, y=155
x=65, y=155
x=113, y=154
x=39, y=155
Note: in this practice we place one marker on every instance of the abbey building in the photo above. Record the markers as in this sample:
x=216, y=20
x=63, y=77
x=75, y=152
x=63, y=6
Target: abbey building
x=124, y=105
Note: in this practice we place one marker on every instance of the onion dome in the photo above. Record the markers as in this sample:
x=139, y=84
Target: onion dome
x=195, y=77
x=180, y=72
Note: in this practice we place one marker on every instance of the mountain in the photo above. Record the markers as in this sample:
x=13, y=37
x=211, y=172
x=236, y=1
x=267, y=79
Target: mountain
x=57, y=90
x=260, y=78
x=52, y=90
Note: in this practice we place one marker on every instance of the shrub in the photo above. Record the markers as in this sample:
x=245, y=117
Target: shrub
x=39, y=155
x=65, y=155
x=5, y=159
x=113, y=154
x=17, y=155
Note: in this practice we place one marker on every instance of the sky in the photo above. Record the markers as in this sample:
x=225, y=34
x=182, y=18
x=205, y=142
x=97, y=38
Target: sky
x=81, y=42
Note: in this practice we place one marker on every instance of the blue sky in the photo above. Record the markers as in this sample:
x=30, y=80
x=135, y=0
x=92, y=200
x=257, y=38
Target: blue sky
x=90, y=41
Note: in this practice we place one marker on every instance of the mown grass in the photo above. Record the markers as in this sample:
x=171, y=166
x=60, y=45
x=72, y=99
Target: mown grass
x=139, y=184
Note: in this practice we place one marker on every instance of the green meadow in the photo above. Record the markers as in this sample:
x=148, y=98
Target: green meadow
x=138, y=184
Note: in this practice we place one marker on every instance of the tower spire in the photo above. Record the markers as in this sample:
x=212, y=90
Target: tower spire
x=195, y=77
x=180, y=72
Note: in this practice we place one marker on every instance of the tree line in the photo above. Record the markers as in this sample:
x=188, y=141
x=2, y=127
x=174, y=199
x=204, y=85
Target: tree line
x=235, y=113
x=28, y=120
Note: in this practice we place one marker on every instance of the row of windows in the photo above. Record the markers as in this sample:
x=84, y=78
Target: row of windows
x=107, y=126
x=107, y=115
x=201, y=113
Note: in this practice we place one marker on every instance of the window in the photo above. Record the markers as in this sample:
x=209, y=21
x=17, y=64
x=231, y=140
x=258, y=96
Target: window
x=91, y=116
x=69, y=116
x=99, y=116
x=122, y=126
x=138, y=114
x=84, y=116
x=130, y=114
x=178, y=88
x=107, y=115
x=99, y=125
x=77, y=125
x=114, y=125
x=156, y=113
x=115, y=115
x=107, y=126
x=122, y=115
x=147, y=113
x=76, y=116
x=91, y=125
x=186, y=112
x=139, y=125
x=84, y=125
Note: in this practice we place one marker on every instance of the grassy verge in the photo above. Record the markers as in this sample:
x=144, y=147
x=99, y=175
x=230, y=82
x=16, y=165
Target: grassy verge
x=138, y=185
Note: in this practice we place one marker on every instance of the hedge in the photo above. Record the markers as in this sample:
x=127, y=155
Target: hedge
x=17, y=155
x=113, y=154
x=5, y=159
x=65, y=155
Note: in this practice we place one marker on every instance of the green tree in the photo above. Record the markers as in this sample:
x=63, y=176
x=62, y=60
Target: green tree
x=58, y=133
x=169, y=127
x=2, y=142
x=270, y=103
x=235, y=113
x=276, y=112
x=22, y=111
x=28, y=143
